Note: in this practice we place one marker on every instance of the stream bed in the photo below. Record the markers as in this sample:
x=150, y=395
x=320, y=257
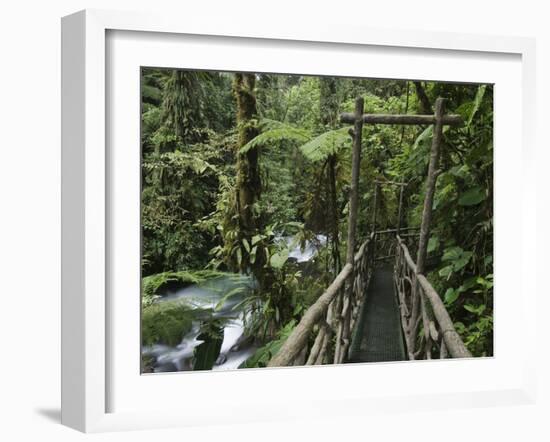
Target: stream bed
x=207, y=297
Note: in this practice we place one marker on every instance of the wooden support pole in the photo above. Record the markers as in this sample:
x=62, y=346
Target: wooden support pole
x=355, y=163
x=375, y=206
x=390, y=183
x=318, y=344
x=352, y=226
x=447, y=120
x=400, y=210
x=373, y=228
x=403, y=229
x=418, y=301
x=430, y=185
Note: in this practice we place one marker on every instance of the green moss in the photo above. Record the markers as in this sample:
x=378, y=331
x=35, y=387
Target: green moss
x=153, y=284
x=165, y=323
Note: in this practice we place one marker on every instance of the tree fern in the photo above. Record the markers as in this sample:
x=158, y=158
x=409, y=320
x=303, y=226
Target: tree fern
x=275, y=133
x=326, y=144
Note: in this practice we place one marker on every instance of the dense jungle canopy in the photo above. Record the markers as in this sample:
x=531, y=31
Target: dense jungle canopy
x=239, y=168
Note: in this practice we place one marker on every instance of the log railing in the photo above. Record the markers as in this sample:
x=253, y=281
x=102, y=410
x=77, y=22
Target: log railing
x=324, y=333
x=421, y=306
x=332, y=317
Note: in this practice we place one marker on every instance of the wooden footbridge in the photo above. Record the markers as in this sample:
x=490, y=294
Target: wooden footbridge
x=376, y=309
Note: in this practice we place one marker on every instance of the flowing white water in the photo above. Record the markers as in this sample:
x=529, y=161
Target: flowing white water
x=207, y=296
x=310, y=250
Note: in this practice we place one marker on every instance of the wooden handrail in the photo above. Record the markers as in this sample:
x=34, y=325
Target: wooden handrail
x=296, y=345
x=453, y=342
x=299, y=337
x=452, y=339
x=448, y=120
x=408, y=258
x=381, y=232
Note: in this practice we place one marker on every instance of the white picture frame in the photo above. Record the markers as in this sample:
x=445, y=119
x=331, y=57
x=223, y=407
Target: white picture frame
x=86, y=204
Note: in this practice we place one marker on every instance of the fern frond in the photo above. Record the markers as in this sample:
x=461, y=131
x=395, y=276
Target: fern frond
x=326, y=144
x=274, y=133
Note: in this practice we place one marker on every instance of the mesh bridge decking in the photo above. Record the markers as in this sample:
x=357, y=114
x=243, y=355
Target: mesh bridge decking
x=378, y=335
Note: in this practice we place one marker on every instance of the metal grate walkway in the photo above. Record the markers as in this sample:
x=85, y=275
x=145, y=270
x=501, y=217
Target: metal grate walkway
x=378, y=336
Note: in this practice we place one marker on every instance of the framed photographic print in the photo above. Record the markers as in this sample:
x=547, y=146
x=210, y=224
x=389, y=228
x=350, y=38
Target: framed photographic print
x=253, y=215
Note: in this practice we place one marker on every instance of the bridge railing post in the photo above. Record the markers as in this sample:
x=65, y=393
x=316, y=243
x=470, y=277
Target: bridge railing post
x=419, y=301
x=430, y=185
x=343, y=305
x=400, y=210
x=334, y=312
x=354, y=189
x=374, y=216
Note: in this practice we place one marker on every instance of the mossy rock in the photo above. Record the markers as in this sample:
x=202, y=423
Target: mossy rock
x=165, y=323
x=152, y=285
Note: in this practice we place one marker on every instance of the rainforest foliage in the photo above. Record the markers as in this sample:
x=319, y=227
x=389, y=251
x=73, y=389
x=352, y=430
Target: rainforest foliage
x=233, y=162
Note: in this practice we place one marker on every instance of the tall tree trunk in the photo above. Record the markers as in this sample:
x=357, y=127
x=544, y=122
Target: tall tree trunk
x=337, y=265
x=329, y=116
x=248, y=183
x=425, y=105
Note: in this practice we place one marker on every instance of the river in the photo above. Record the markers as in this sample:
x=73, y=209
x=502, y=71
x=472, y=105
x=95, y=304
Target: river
x=206, y=296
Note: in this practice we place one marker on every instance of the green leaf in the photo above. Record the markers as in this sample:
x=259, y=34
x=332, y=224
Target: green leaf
x=452, y=253
x=326, y=144
x=278, y=260
x=446, y=272
x=461, y=262
x=461, y=171
x=451, y=295
x=472, y=196
x=476, y=310
x=253, y=254
x=246, y=245
x=205, y=354
x=276, y=136
x=234, y=292
x=468, y=284
x=425, y=138
x=477, y=102
x=433, y=244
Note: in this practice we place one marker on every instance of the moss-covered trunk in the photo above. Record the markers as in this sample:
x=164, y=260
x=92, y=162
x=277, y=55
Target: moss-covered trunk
x=248, y=183
x=329, y=107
